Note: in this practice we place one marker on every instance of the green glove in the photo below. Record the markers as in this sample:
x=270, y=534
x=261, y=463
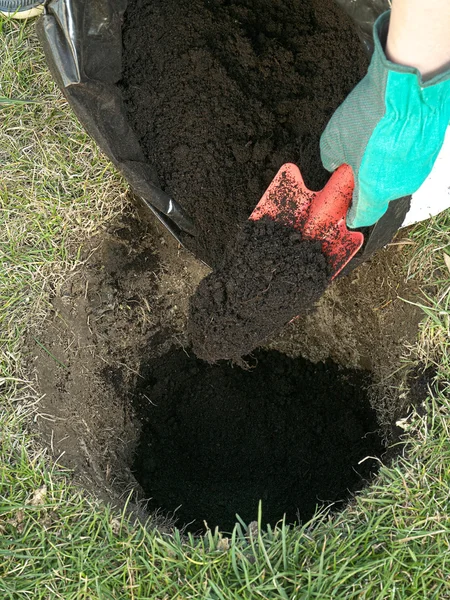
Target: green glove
x=390, y=130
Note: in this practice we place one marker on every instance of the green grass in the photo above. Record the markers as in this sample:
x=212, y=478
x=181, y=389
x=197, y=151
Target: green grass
x=392, y=542
x=5, y=102
x=54, y=184
x=432, y=244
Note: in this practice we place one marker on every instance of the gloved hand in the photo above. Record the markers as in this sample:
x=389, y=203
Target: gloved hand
x=390, y=130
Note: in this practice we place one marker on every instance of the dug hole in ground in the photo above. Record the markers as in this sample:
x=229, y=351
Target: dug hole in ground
x=221, y=94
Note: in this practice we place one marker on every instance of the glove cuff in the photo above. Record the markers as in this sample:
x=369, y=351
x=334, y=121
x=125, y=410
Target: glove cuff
x=380, y=32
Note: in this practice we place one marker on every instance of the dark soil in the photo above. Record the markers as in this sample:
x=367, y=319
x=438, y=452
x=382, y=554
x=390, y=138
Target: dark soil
x=269, y=276
x=117, y=325
x=215, y=439
x=222, y=92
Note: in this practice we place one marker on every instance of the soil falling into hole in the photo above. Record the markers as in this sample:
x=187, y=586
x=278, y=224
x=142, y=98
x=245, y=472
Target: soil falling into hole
x=269, y=276
x=217, y=439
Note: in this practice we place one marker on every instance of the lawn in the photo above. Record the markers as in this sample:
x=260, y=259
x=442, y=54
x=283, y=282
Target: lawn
x=391, y=542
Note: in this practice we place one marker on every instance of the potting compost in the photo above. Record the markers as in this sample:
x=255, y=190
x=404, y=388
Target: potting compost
x=269, y=275
x=222, y=92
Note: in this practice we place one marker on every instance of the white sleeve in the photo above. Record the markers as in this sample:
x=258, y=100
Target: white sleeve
x=434, y=195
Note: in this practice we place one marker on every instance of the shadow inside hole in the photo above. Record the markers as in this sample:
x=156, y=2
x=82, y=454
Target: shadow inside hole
x=217, y=439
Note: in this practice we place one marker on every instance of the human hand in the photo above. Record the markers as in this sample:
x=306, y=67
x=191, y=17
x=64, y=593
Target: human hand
x=390, y=130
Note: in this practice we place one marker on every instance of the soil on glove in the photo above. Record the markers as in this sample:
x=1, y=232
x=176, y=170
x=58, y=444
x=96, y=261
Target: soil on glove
x=269, y=276
x=222, y=92
x=217, y=439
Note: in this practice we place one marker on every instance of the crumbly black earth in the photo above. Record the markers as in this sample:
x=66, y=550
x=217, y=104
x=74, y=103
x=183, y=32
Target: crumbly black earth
x=269, y=276
x=222, y=92
x=216, y=439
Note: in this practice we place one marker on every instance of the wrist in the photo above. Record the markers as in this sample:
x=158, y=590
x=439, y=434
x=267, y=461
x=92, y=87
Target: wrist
x=418, y=36
x=428, y=65
x=382, y=59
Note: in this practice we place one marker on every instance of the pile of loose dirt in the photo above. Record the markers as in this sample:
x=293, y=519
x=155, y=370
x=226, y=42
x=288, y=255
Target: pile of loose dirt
x=217, y=439
x=123, y=304
x=222, y=92
x=269, y=276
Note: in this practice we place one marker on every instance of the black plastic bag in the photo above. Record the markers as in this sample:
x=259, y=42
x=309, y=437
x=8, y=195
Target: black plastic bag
x=82, y=41
x=365, y=13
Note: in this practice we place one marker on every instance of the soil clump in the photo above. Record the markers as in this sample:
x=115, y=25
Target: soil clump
x=217, y=439
x=269, y=276
x=222, y=92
